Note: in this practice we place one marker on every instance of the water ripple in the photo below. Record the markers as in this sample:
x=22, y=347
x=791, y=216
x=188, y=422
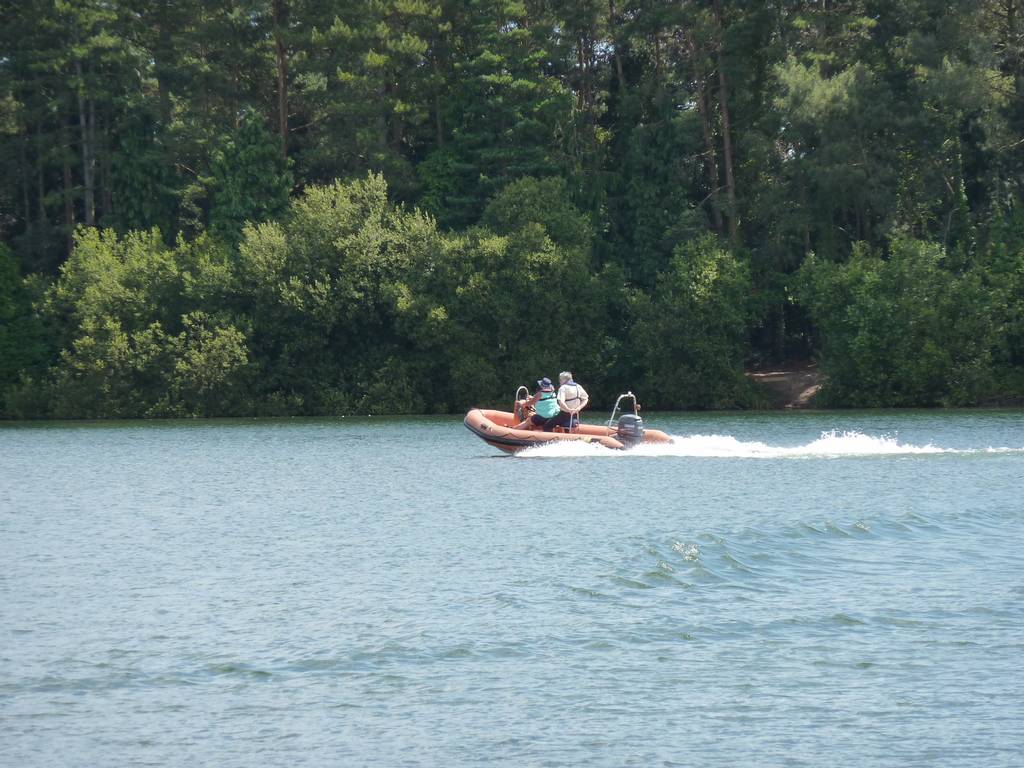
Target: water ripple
x=323, y=593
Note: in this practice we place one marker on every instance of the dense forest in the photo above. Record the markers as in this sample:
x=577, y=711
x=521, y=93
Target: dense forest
x=276, y=207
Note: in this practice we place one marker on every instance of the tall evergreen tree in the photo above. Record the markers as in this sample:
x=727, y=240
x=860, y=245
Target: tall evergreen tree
x=251, y=179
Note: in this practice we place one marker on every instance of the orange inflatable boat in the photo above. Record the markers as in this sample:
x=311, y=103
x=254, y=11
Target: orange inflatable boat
x=497, y=428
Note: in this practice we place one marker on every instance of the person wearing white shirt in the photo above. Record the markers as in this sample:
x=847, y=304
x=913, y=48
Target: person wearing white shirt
x=572, y=398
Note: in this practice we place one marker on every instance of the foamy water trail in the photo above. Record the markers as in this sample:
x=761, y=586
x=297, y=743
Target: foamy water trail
x=831, y=444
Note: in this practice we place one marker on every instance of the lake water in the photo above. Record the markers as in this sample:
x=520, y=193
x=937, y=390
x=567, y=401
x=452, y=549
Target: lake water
x=774, y=589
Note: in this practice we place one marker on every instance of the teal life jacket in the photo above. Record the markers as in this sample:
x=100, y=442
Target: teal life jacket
x=547, y=404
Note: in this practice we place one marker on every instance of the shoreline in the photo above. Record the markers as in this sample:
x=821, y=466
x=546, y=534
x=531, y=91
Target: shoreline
x=237, y=420
x=785, y=387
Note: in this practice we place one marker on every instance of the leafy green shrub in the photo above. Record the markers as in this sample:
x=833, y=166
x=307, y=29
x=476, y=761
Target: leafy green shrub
x=22, y=335
x=141, y=331
x=902, y=331
x=689, y=335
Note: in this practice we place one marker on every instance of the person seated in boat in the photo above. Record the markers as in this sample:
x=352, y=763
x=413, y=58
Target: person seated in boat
x=571, y=399
x=544, y=402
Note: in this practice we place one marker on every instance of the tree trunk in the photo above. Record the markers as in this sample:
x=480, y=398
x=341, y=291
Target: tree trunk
x=163, y=56
x=89, y=199
x=383, y=126
x=580, y=98
x=93, y=154
x=280, y=11
x=25, y=169
x=779, y=337
x=593, y=74
x=106, y=189
x=397, y=132
x=69, y=201
x=805, y=212
x=205, y=89
x=723, y=105
x=710, y=158
x=615, y=46
x=658, y=76
x=585, y=60
x=1013, y=46
x=438, y=121
x=42, y=226
x=40, y=179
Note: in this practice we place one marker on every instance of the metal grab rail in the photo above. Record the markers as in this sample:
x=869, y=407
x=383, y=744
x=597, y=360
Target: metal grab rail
x=516, y=411
x=636, y=408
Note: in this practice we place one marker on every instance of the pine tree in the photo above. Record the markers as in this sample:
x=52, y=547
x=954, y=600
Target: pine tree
x=251, y=179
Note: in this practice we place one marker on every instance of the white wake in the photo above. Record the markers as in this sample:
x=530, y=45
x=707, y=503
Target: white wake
x=830, y=445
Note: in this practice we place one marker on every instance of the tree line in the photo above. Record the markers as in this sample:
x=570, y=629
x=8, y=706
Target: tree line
x=394, y=206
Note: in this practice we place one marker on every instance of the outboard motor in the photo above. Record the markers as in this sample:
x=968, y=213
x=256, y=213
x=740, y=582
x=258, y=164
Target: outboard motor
x=630, y=430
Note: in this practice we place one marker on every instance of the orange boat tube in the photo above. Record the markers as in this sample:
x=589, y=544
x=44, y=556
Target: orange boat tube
x=497, y=428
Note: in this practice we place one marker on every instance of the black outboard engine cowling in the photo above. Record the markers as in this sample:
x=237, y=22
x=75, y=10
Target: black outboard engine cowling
x=630, y=430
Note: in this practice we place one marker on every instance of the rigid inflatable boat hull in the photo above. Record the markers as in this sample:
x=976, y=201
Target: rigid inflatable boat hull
x=497, y=428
